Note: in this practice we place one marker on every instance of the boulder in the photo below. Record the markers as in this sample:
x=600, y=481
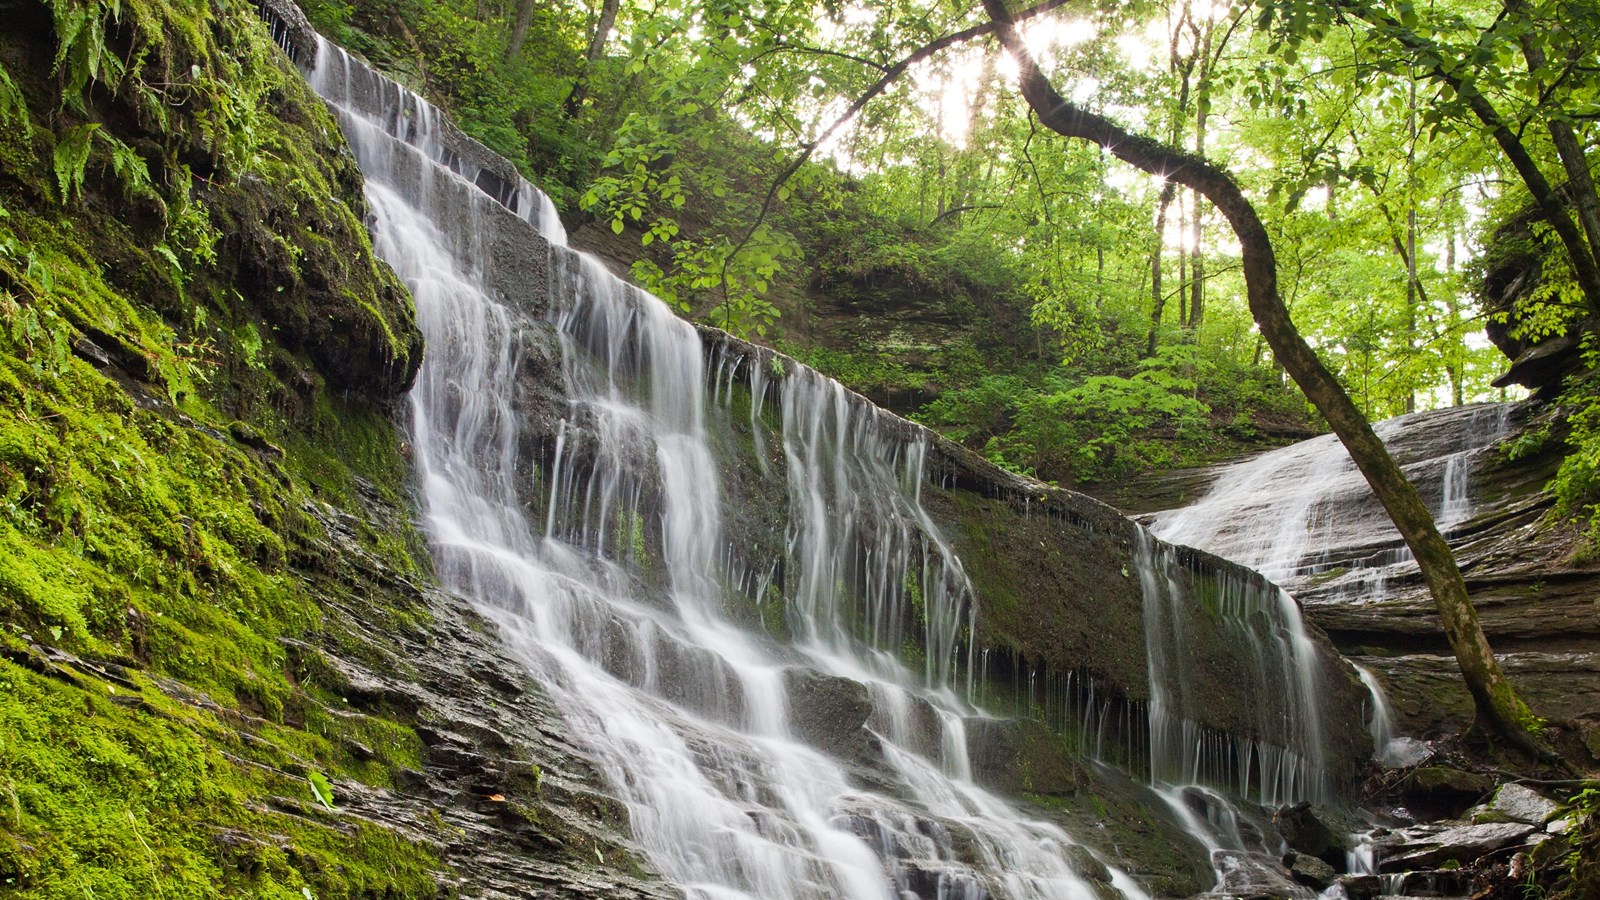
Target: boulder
x=1361, y=887
x=1250, y=876
x=1518, y=803
x=1311, y=871
x=1429, y=847
x=827, y=711
x=1444, y=792
x=1306, y=832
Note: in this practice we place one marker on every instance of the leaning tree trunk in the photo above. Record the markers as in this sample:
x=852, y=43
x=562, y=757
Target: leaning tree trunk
x=1499, y=709
x=591, y=57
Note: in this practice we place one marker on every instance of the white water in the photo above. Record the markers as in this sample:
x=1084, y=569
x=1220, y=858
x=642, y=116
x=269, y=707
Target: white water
x=1297, y=510
x=614, y=591
x=1266, y=621
x=1389, y=747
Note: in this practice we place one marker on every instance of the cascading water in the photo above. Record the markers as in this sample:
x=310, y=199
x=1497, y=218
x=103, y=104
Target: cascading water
x=1388, y=747
x=1304, y=516
x=1266, y=620
x=614, y=589
x=1302, y=509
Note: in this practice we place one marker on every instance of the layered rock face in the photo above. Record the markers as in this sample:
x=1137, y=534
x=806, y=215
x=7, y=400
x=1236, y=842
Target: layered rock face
x=1303, y=515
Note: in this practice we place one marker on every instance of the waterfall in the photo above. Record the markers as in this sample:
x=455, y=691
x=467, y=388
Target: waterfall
x=1303, y=509
x=609, y=573
x=1265, y=619
x=1389, y=747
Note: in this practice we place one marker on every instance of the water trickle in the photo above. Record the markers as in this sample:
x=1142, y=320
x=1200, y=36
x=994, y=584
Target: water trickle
x=610, y=575
x=1389, y=747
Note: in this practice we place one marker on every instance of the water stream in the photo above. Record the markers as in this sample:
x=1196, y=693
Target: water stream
x=615, y=585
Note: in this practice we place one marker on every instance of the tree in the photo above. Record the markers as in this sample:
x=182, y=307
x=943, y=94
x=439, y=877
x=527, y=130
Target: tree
x=1478, y=81
x=1500, y=710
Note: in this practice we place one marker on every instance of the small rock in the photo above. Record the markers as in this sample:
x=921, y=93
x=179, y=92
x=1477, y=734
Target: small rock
x=1559, y=826
x=1361, y=887
x=1312, y=872
x=1518, y=803
x=1591, y=740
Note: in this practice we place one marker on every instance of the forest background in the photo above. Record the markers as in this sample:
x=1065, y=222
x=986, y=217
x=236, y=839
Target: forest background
x=1068, y=316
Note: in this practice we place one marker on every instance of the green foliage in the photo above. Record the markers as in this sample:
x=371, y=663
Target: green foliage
x=71, y=158
x=1576, y=484
x=1178, y=408
x=13, y=106
x=152, y=561
x=321, y=788
x=1087, y=430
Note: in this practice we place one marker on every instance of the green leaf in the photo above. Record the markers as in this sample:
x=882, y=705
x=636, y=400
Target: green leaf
x=616, y=225
x=321, y=788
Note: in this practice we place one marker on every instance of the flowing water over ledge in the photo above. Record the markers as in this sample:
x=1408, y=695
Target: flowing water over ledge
x=685, y=643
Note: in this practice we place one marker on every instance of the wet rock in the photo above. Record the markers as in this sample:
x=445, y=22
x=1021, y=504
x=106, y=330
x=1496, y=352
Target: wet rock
x=1248, y=876
x=1445, y=791
x=1361, y=887
x=1455, y=882
x=1087, y=865
x=1404, y=753
x=1311, y=871
x=1305, y=831
x=827, y=711
x=1431, y=846
x=1021, y=755
x=1518, y=803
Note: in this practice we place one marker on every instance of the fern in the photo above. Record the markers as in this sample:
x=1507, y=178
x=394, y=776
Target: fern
x=131, y=168
x=71, y=159
x=13, y=106
x=81, y=51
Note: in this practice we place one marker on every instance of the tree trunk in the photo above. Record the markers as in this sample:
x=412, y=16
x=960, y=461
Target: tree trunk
x=597, y=49
x=1202, y=111
x=1158, y=302
x=1413, y=286
x=1580, y=180
x=519, y=29
x=1452, y=305
x=1500, y=710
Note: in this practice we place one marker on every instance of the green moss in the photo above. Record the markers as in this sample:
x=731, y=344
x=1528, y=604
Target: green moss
x=194, y=382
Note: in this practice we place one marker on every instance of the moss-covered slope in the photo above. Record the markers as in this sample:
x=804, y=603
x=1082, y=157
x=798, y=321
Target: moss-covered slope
x=205, y=551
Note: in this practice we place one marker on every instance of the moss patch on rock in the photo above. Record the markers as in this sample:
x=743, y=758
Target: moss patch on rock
x=198, y=353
